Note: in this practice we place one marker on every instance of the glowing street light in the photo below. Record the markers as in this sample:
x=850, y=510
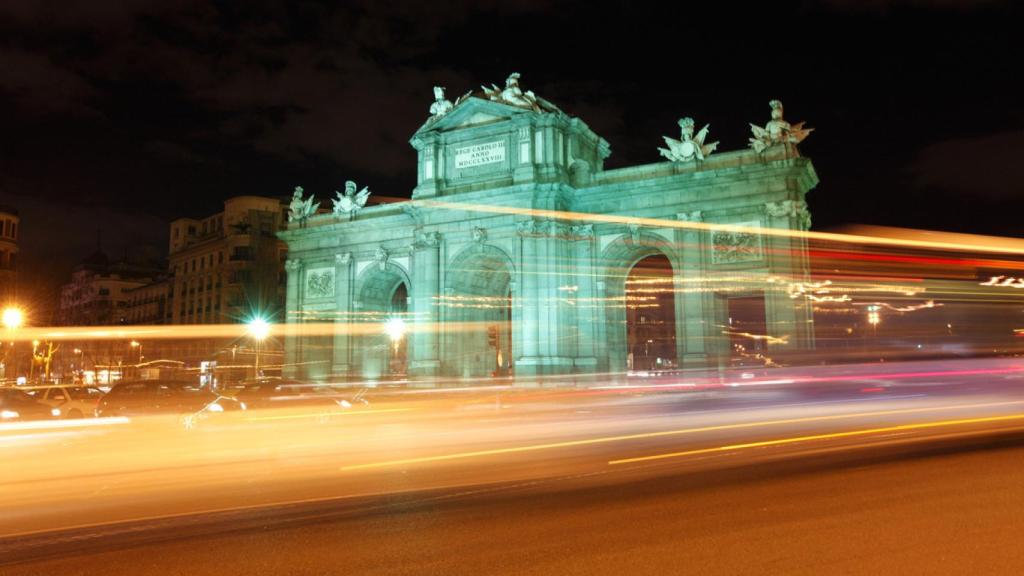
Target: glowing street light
x=395, y=328
x=137, y=344
x=873, y=316
x=13, y=318
x=259, y=329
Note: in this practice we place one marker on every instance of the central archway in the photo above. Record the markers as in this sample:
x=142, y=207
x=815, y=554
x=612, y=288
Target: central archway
x=478, y=302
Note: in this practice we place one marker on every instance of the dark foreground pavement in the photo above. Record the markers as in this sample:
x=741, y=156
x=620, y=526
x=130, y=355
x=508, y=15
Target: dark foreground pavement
x=949, y=504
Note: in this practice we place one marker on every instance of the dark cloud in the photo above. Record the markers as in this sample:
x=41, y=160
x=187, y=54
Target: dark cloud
x=985, y=166
x=36, y=85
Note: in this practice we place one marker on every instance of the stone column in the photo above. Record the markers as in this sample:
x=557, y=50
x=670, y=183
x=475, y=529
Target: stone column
x=526, y=335
x=601, y=325
x=546, y=323
x=694, y=304
x=293, y=319
x=788, y=317
x=586, y=298
x=424, y=353
x=342, y=344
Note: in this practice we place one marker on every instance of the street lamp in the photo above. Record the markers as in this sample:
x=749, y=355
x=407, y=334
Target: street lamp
x=138, y=365
x=13, y=318
x=259, y=329
x=395, y=328
x=874, y=318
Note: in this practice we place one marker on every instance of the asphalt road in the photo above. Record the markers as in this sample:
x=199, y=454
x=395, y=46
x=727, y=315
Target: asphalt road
x=947, y=506
x=924, y=477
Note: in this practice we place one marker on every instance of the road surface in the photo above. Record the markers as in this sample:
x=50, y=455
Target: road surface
x=922, y=477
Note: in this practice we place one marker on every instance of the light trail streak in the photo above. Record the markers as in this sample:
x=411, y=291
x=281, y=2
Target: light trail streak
x=235, y=331
x=326, y=414
x=829, y=436
x=994, y=244
x=63, y=424
x=912, y=308
x=661, y=434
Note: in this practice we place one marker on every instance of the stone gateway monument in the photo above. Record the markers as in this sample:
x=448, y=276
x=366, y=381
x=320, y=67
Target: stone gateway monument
x=520, y=255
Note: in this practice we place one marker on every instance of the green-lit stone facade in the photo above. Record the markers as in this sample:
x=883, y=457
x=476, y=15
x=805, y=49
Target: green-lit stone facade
x=515, y=226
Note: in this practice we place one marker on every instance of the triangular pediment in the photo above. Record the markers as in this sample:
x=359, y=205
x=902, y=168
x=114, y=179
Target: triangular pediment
x=472, y=111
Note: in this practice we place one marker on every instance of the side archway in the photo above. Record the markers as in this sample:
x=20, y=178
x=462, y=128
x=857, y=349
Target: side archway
x=478, y=303
x=381, y=295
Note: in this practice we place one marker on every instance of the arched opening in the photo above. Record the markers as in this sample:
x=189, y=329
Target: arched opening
x=398, y=355
x=382, y=304
x=479, y=311
x=650, y=315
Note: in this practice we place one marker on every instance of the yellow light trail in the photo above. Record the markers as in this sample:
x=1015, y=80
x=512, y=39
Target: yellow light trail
x=958, y=242
x=63, y=424
x=829, y=436
x=226, y=331
x=663, y=433
x=322, y=414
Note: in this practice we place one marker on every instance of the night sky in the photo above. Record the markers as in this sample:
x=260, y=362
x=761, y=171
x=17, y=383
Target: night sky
x=121, y=116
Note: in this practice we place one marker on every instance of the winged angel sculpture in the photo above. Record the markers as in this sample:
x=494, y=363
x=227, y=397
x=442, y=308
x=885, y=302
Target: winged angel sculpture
x=777, y=131
x=299, y=209
x=351, y=201
x=688, y=147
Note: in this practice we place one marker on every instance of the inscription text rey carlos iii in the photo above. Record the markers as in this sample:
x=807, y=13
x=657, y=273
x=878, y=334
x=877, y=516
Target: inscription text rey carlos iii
x=480, y=154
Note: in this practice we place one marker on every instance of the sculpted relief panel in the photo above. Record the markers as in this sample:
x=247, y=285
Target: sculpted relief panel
x=320, y=283
x=733, y=246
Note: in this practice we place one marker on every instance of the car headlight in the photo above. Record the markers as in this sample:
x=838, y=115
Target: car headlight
x=8, y=414
x=55, y=412
x=215, y=407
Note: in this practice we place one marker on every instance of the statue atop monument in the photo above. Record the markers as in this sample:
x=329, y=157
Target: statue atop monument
x=512, y=94
x=688, y=147
x=777, y=131
x=350, y=202
x=299, y=209
x=441, y=105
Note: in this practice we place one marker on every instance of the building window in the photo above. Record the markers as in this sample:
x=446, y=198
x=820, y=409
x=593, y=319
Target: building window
x=241, y=253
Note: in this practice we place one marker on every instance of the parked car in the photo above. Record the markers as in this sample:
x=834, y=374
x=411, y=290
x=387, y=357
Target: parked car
x=174, y=397
x=16, y=405
x=70, y=401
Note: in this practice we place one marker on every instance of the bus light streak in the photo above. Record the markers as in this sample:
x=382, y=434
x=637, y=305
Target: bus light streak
x=829, y=436
x=659, y=434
